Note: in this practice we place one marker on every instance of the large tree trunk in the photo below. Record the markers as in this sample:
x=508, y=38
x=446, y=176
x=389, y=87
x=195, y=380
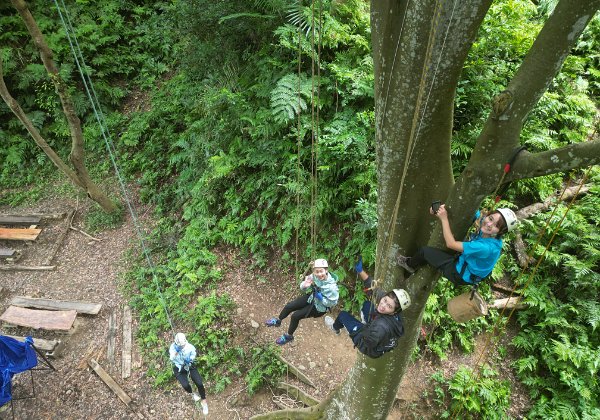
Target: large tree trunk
x=77, y=155
x=419, y=52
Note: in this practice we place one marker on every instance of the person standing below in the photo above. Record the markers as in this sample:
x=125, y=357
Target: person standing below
x=323, y=295
x=381, y=324
x=476, y=257
x=182, y=354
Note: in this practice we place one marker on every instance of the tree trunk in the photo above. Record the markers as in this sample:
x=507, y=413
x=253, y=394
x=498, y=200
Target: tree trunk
x=77, y=155
x=419, y=48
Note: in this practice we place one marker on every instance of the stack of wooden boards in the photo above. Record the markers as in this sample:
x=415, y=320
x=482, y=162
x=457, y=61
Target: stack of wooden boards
x=17, y=228
x=53, y=315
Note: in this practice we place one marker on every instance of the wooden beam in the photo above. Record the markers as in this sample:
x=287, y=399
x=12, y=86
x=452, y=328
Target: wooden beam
x=508, y=303
x=19, y=234
x=13, y=267
x=296, y=372
x=6, y=252
x=298, y=394
x=19, y=220
x=108, y=380
x=112, y=332
x=89, y=308
x=40, y=343
x=40, y=215
x=33, y=318
x=126, y=351
x=59, y=240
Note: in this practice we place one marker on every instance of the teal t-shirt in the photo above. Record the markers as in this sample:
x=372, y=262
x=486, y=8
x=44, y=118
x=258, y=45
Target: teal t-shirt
x=480, y=255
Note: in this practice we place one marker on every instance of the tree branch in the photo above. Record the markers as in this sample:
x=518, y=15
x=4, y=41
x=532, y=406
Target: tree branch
x=35, y=134
x=573, y=156
x=546, y=56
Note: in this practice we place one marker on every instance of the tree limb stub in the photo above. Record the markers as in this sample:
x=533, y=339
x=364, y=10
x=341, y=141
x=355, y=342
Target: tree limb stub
x=573, y=156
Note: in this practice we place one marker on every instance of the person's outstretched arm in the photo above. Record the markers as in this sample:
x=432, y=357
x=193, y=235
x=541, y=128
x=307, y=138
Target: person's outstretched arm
x=451, y=242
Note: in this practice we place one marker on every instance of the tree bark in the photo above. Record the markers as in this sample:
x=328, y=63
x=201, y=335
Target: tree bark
x=77, y=155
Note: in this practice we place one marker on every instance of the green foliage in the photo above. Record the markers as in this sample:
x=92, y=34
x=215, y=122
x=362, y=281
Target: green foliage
x=97, y=220
x=472, y=394
x=443, y=333
x=119, y=40
x=559, y=338
x=266, y=368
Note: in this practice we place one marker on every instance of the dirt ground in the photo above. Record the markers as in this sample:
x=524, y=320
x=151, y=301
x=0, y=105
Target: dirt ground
x=89, y=270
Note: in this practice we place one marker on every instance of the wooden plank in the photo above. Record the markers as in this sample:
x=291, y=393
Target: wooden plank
x=40, y=215
x=40, y=343
x=60, y=239
x=13, y=267
x=112, y=332
x=6, y=252
x=34, y=318
x=19, y=220
x=89, y=308
x=298, y=394
x=296, y=372
x=19, y=234
x=108, y=380
x=126, y=352
x=508, y=303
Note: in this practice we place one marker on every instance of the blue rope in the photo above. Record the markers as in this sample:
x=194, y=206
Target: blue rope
x=91, y=93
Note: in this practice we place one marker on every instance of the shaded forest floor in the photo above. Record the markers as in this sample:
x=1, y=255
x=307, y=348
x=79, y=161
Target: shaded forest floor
x=90, y=271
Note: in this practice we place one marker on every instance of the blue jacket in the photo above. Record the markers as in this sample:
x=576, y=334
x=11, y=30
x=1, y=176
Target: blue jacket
x=328, y=288
x=182, y=357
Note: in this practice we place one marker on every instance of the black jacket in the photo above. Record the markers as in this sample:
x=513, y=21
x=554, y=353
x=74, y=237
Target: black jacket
x=381, y=332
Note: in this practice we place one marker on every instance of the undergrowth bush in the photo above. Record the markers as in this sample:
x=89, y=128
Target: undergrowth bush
x=473, y=395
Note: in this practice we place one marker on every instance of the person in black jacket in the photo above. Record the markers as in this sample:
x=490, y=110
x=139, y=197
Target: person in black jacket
x=381, y=324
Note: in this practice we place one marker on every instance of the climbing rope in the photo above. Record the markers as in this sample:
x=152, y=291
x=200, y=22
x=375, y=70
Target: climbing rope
x=95, y=103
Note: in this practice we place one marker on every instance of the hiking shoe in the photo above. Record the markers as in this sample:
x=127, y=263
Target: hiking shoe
x=284, y=339
x=204, y=408
x=195, y=397
x=403, y=262
x=329, y=322
x=273, y=322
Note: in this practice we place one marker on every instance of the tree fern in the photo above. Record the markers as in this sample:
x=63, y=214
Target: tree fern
x=287, y=97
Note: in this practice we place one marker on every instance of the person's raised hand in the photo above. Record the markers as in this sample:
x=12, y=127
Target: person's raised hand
x=442, y=213
x=358, y=267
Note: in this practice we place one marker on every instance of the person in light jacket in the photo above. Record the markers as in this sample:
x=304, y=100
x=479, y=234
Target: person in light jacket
x=323, y=295
x=182, y=354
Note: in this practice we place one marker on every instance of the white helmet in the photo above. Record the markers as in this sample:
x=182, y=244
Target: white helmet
x=509, y=217
x=320, y=263
x=180, y=339
x=403, y=298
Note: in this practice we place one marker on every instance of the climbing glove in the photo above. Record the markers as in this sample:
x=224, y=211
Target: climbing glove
x=358, y=266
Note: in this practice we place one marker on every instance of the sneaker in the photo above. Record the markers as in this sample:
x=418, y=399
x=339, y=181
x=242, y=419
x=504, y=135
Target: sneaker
x=329, y=321
x=273, y=322
x=204, y=408
x=403, y=262
x=284, y=339
x=195, y=397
